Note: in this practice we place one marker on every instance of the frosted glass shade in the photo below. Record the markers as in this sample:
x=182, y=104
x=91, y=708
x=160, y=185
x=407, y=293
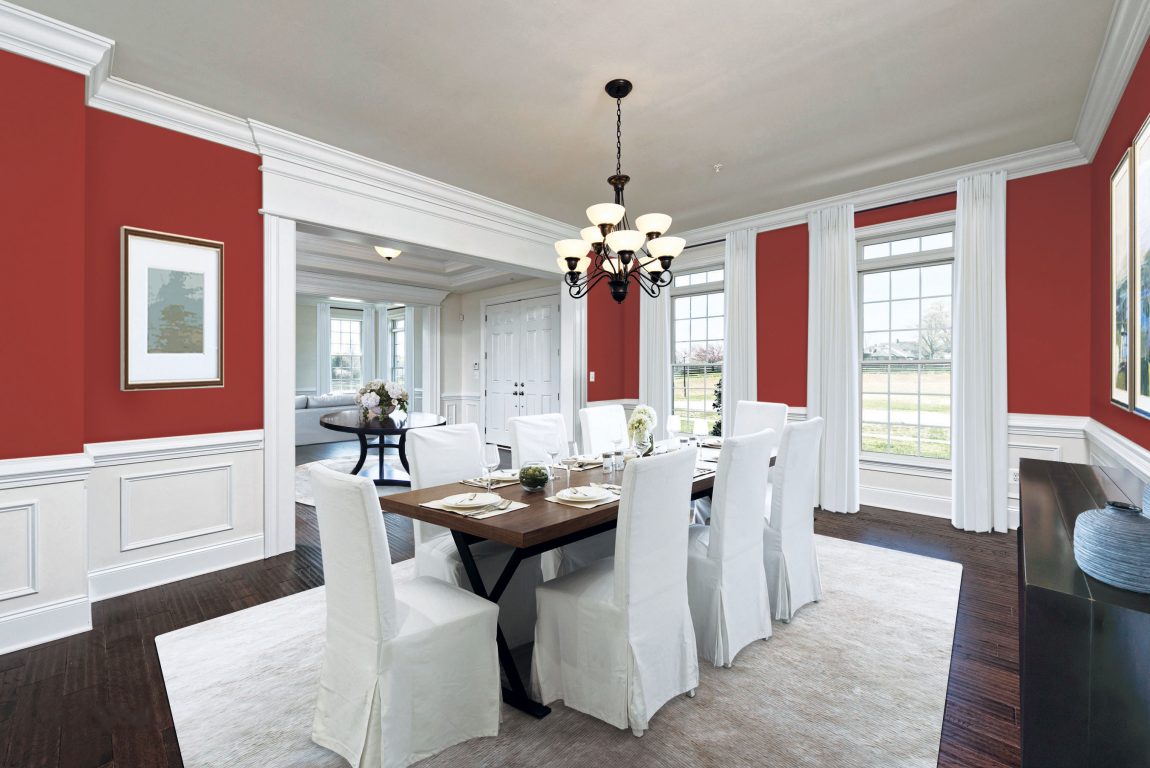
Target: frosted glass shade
x=653, y=222
x=387, y=253
x=605, y=213
x=571, y=249
x=591, y=235
x=625, y=240
x=581, y=267
x=666, y=246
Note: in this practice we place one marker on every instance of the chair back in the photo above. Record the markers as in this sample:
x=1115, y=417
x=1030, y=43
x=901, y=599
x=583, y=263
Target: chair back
x=651, y=535
x=600, y=425
x=752, y=416
x=442, y=455
x=533, y=436
x=739, y=499
x=356, y=560
x=796, y=472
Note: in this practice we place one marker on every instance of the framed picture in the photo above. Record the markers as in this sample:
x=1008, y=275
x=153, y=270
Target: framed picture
x=1121, y=378
x=171, y=311
x=1140, y=162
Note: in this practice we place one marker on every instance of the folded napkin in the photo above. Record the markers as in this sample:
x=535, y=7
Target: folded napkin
x=467, y=513
x=478, y=482
x=700, y=471
x=589, y=504
x=581, y=466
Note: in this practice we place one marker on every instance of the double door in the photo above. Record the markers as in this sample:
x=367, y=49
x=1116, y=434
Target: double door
x=522, y=363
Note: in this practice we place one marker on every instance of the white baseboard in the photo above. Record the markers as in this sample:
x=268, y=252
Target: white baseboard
x=121, y=579
x=905, y=501
x=44, y=623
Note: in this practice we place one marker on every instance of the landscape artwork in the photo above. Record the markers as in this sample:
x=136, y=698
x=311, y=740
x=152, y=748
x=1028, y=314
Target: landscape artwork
x=172, y=311
x=175, y=311
x=1141, y=162
x=1120, y=378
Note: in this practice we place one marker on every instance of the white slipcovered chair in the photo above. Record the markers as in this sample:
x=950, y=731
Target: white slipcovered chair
x=614, y=640
x=789, y=555
x=408, y=669
x=601, y=425
x=442, y=455
x=726, y=582
x=533, y=436
x=752, y=416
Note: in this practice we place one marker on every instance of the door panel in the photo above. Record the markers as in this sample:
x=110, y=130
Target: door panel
x=502, y=370
x=540, y=356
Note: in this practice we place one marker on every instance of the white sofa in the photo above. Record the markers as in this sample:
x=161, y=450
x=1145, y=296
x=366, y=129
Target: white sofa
x=308, y=409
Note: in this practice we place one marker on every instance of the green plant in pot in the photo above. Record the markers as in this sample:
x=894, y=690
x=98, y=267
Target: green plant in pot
x=533, y=476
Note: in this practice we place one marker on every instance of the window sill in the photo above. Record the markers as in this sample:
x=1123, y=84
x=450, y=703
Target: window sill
x=906, y=465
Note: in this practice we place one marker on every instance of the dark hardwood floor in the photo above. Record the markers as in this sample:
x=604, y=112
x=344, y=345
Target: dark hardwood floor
x=97, y=700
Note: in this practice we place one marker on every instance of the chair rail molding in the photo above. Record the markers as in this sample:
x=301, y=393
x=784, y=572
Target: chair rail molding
x=1125, y=38
x=181, y=446
x=1108, y=447
x=44, y=470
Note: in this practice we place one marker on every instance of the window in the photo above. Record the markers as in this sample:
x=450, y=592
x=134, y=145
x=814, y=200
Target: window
x=397, y=333
x=905, y=293
x=346, y=351
x=698, y=345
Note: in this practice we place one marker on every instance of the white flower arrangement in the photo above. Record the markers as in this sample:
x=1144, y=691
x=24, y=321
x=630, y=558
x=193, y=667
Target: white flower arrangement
x=642, y=422
x=379, y=397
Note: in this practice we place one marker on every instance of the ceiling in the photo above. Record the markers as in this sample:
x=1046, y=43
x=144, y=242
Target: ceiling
x=797, y=100
x=325, y=251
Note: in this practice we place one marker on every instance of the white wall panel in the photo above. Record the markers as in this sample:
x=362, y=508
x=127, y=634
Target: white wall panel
x=18, y=530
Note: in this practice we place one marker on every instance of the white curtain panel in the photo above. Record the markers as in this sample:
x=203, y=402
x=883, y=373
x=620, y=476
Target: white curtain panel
x=655, y=357
x=740, y=361
x=980, y=463
x=833, y=354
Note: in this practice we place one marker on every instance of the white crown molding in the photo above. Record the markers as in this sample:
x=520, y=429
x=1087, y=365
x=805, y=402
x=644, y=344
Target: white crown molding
x=397, y=185
x=139, y=102
x=180, y=447
x=1125, y=38
x=39, y=37
x=1029, y=162
x=317, y=284
x=44, y=470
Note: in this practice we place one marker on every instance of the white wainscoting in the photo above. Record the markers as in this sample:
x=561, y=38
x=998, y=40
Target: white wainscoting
x=1108, y=448
x=43, y=550
x=461, y=408
x=171, y=508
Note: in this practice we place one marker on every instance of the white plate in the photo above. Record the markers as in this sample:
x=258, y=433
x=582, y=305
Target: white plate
x=506, y=474
x=470, y=500
x=583, y=493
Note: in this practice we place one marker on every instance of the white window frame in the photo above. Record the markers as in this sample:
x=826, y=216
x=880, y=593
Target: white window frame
x=716, y=286
x=881, y=233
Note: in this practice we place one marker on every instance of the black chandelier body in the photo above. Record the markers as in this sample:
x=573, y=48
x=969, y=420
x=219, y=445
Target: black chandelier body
x=610, y=249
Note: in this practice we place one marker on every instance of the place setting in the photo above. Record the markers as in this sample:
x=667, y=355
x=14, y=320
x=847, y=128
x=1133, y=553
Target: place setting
x=587, y=496
x=500, y=478
x=475, y=505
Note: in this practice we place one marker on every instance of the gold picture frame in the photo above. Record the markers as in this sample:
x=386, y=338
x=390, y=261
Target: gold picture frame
x=1122, y=312
x=171, y=310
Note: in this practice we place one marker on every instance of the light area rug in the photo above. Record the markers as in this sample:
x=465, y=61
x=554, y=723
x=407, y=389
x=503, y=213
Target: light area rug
x=303, y=479
x=858, y=679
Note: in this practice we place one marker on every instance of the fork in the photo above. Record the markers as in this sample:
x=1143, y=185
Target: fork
x=504, y=504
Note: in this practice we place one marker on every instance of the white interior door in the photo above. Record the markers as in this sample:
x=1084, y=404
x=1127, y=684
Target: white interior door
x=522, y=365
x=501, y=396
x=539, y=357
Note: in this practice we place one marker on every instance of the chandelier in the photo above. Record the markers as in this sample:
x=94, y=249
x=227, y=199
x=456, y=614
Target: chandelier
x=610, y=249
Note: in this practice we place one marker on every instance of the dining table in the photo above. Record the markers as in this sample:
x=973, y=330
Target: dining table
x=538, y=527
x=395, y=424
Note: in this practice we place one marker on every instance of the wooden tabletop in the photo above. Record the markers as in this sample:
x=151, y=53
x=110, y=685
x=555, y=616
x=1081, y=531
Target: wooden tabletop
x=539, y=522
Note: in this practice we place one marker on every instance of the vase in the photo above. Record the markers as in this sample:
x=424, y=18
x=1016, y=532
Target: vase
x=534, y=475
x=1113, y=546
x=641, y=443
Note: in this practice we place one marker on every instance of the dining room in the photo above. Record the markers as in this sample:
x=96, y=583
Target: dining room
x=433, y=394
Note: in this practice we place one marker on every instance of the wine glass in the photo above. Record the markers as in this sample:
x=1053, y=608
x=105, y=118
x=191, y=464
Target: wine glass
x=617, y=443
x=491, y=461
x=552, y=459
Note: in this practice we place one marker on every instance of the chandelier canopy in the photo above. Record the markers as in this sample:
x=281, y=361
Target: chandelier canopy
x=610, y=249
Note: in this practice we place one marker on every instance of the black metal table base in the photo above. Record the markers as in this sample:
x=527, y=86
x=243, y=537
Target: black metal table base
x=382, y=478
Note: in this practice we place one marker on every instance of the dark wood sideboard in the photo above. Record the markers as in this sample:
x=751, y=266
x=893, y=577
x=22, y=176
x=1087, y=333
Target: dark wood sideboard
x=1084, y=646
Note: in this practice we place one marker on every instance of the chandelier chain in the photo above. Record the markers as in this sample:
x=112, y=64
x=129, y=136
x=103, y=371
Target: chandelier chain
x=618, y=137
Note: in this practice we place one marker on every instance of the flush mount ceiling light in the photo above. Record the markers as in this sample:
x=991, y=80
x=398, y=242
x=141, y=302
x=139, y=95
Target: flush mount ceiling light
x=610, y=249
x=387, y=253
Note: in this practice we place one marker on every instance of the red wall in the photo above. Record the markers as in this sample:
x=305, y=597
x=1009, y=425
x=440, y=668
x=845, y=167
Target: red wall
x=142, y=176
x=1132, y=111
x=71, y=177
x=42, y=282
x=612, y=345
x=1047, y=301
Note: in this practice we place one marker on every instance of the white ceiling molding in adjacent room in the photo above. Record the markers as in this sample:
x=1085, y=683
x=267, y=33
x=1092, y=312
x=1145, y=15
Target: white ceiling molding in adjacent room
x=315, y=284
x=1125, y=39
